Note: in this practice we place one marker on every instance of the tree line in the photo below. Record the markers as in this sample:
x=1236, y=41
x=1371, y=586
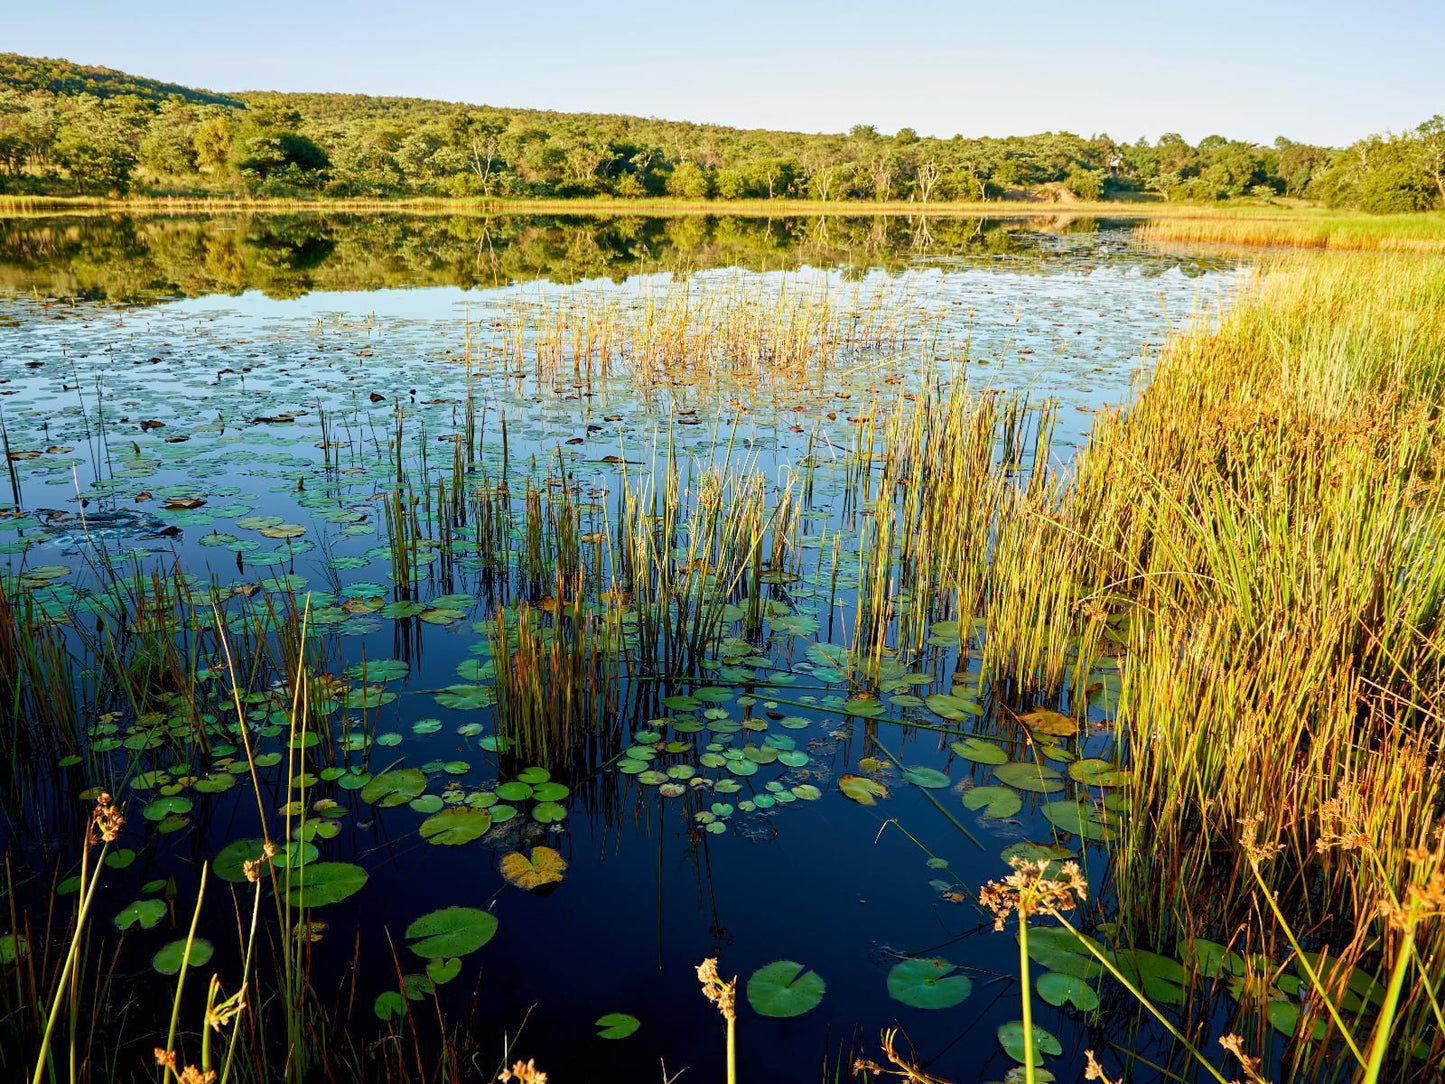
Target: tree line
x=68, y=129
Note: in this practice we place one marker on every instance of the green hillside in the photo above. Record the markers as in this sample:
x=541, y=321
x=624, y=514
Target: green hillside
x=29, y=73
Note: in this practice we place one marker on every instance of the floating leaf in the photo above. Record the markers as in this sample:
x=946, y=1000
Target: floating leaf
x=930, y=778
x=395, y=787
x=169, y=959
x=545, y=867
x=996, y=802
x=979, y=751
x=146, y=913
x=1098, y=773
x=955, y=709
x=451, y=932
x=1038, y=778
x=617, y=1025
x=322, y=883
x=550, y=812
x=389, y=1004
x=928, y=984
x=1045, y=721
x=1081, y=820
x=457, y=825
x=1011, y=1038
x=442, y=972
x=1059, y=950
x=1057, y=988
x=229, y=865
x=784, y=988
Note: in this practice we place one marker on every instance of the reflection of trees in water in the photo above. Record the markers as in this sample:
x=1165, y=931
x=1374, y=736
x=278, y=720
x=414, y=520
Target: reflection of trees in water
x=134, y=258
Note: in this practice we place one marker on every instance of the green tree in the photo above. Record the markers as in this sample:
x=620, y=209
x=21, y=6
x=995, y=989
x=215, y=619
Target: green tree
x=95, y=147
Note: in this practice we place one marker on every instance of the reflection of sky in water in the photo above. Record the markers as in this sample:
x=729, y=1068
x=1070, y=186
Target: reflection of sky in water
x=824, y=882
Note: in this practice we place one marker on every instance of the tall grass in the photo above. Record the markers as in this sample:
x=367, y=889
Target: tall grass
x=1359, y=232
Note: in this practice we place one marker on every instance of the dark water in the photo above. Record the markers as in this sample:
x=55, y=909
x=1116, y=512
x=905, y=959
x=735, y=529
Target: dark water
x=240, y=336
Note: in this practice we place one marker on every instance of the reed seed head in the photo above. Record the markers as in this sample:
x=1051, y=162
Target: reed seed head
x=1029, y=889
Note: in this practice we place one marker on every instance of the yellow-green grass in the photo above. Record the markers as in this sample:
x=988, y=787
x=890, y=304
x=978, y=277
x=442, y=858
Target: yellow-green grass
x=1402, y=232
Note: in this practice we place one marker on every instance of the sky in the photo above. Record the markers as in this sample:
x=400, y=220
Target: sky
x=1324, y=71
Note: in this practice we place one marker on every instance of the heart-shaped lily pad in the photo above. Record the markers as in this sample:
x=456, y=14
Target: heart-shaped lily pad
x=861, y=789
x=456, y=825
x=617, y=1025
x=928, y=984
x=546, y=866
x=996, y=802
x=451, y=932
x=169, y=959
x=1011, y=1038
x=321, y=883
x=1057, y=989
x=785, y=988
x=979, y=751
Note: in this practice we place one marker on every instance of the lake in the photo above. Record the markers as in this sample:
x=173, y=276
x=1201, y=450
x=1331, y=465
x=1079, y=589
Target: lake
x=577, y=529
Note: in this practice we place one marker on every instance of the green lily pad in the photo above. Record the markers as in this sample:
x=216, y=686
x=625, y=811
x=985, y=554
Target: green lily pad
x=617, y=1025
x=451, y=932
x=928, y=984
x=784, y=988
x=1011, y=1038
x=168, y=960
x=322, y=883
x=1057, y=989
x=389, y=1004
x=930, y=778
x=456, y=825
x=397, y=786
x=145, y=913
x=979, y=751
x=442, y=972
x=1082, y=820
x=1037, y=778
x=996, y=802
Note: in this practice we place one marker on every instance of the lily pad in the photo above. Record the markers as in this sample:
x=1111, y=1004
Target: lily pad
x=145, y=913
x=928, y=984
x=323, y=883
x=168, y=960
x=546, y=866
x=979, y=751
x=1082, y=820
x=451, y=932
x=861, y=789
x=617, y=1025
x=456, y=825
x=1037, y=778
x=1011, y=1038
x=929, y=778
x=996, y=802
x=785, y=988
x=397, y=786
x=1057, y=989
x=1045, y=721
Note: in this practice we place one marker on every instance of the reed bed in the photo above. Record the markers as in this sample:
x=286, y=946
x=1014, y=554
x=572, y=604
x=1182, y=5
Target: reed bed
x=1357, y=232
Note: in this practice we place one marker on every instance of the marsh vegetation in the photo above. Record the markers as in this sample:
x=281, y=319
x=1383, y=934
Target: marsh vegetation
x=1012, y=656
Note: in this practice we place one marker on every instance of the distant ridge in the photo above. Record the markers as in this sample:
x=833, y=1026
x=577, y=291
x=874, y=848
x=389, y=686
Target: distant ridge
x=27, y=73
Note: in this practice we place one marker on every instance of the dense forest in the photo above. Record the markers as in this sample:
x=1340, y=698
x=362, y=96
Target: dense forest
x=70, y=129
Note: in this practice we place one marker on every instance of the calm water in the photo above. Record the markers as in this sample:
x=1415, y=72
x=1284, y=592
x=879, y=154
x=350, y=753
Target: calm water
x=180, y=360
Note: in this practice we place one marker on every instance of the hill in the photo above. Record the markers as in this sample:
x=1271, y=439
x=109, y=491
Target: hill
x=67, y=128
x=28, y=73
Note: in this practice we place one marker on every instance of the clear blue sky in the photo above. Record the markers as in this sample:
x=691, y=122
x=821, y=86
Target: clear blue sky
x=1325, y=71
